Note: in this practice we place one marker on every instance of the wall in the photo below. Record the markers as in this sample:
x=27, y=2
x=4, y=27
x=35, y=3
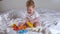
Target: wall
x=18, y=4
x=51, y=4
x=8, y=4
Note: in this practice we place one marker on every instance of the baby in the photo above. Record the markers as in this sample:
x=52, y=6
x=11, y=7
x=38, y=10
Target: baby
x=30, y=14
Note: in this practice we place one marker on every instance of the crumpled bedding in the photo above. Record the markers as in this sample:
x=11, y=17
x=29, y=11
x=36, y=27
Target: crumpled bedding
x=50, y=19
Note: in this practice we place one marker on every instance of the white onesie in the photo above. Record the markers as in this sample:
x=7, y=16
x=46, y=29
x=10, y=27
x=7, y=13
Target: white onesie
x=35, y=15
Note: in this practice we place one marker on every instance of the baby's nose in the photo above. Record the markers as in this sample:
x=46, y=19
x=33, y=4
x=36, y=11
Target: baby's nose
x=30, y=10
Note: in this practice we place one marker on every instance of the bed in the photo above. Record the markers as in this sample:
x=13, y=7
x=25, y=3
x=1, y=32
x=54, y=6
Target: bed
x=50, y=19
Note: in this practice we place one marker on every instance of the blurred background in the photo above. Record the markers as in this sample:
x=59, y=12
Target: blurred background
x=19, y=4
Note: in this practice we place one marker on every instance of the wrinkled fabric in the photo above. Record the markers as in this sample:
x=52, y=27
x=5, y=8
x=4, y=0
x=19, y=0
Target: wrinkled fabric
x=49, y=19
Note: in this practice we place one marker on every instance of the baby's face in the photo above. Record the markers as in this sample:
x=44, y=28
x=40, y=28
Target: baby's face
x=30, y=10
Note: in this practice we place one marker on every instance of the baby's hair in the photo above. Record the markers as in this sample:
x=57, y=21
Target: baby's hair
x=30, y=3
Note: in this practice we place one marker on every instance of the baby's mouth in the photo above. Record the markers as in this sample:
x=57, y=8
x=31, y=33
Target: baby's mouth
x=29, y=12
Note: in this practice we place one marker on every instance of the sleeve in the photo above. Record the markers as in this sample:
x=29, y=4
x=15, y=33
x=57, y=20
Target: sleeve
x=37, y=14
x=24, y=15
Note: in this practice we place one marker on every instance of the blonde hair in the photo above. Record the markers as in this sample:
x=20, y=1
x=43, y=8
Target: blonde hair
x=30, y=3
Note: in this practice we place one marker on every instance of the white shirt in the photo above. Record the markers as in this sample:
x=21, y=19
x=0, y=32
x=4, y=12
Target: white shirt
x=35, y=15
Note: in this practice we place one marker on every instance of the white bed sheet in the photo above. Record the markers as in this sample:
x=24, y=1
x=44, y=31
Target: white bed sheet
x=47, y=17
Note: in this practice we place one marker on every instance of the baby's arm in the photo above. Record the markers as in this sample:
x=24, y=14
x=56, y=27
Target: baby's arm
x=26, y=19
x=35, y=21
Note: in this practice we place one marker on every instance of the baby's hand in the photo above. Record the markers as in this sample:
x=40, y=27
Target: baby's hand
x=27, y=19
x=36, y=24
x=34, y=20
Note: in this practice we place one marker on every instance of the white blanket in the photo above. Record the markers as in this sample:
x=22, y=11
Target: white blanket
x=48, y=18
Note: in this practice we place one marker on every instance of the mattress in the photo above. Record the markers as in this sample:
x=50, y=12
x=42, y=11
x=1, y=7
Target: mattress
x=50, y=19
